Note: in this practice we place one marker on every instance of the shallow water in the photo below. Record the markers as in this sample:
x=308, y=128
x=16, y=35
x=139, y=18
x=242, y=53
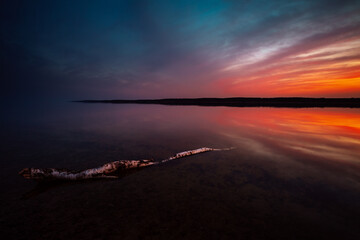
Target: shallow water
x=293, y=175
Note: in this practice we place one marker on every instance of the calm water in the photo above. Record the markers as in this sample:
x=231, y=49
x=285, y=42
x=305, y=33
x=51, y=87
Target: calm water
x=295, y=173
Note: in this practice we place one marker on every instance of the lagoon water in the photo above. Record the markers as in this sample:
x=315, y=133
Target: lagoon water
x=295, y=173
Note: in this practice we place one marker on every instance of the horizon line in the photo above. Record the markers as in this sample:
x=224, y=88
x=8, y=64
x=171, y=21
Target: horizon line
x=296, y=102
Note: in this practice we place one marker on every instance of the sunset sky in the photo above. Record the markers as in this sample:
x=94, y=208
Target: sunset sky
x=179, y=48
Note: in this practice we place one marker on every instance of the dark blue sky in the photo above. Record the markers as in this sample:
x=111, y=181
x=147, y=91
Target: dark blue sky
x=143, y=49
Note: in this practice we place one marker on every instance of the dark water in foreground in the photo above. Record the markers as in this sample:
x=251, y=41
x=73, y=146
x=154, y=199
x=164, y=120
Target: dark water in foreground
x=295, y=173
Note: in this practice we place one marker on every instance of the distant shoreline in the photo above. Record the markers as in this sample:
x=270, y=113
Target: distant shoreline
x=295, y=102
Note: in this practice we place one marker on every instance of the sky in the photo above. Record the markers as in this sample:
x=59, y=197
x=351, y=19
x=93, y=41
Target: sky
x=179, y=48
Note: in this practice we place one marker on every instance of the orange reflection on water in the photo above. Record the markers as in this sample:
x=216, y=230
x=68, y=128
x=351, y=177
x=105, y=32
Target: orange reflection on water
x=327, y=134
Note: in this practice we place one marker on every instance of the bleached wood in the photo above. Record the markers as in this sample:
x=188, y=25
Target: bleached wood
x=108, y=170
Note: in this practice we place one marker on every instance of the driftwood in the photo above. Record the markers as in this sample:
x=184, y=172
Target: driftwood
x=108, y=170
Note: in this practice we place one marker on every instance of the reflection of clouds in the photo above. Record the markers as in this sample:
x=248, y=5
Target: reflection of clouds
x=332, y=134
x=251, y=145
x=326, y=152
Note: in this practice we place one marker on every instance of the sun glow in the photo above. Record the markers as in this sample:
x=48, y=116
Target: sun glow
x=325, y=70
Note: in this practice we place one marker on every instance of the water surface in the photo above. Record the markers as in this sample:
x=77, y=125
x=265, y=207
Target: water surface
x=293, y=175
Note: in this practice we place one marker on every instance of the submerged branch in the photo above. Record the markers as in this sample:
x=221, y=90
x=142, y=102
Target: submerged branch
x=108, y=170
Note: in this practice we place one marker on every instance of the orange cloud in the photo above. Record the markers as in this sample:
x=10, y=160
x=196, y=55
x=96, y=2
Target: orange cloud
x=306, y=69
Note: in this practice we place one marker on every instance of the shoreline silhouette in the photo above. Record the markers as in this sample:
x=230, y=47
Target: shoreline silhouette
x=296, y=102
